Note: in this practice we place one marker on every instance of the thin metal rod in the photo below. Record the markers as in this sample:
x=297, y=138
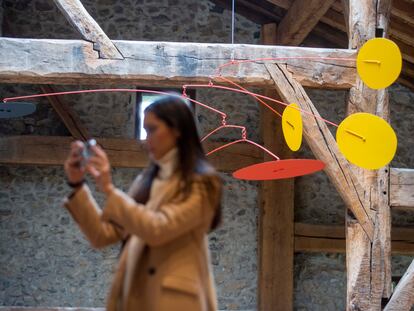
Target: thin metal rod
x=258, y=95
x=225, y=126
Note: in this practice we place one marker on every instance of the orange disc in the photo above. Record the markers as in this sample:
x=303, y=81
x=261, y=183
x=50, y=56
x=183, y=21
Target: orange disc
x=279, y=169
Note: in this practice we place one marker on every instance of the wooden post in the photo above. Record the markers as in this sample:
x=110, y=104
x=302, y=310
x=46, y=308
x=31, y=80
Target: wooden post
x=368, y=262
x=276, y=216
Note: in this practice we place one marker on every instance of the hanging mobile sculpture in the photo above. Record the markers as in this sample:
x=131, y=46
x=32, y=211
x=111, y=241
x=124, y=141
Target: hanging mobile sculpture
x=365, y=140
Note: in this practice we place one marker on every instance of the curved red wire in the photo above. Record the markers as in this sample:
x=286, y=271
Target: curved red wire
x=244, y=133
x=210, y=85
x=257, y=98
x=247, y=141
x=5, y=100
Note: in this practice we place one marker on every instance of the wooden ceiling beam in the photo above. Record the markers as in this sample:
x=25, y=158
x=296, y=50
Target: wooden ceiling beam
x=166, y=63
x=407, y=51
x=53, y=150
x=301, y=17
x=403, y=10
x=89, y=29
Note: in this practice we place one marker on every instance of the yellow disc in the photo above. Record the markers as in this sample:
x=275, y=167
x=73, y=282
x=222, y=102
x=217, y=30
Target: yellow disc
x=366, y=140
x=379, y=63
x=292, y=126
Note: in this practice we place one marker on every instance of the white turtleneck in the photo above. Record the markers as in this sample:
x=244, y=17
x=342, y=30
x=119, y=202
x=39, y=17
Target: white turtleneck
x=167, y=165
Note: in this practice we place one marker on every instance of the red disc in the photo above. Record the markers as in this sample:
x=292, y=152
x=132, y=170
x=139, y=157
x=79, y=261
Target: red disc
x=279, y=169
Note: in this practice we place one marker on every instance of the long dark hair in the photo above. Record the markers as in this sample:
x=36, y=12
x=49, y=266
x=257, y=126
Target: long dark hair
x=177, y=113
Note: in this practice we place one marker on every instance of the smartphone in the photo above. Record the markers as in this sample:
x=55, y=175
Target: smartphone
x=87, y=151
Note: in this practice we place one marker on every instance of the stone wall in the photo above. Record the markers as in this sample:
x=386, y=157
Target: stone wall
x=38, y=235
x=45, y=261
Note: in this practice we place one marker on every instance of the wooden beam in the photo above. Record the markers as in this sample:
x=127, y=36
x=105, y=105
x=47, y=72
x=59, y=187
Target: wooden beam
x=402, y=187
x=400, y=31
x=407, y=50
x=69, y=117
x=323, y=146
x=276, y=216
x=165, y=63
x=53, y=150
x=403, y=296
x=369, y=262
x=331, y=17
x=300, y=19
x=403, y=10
x=89, y=29
x=331, y=239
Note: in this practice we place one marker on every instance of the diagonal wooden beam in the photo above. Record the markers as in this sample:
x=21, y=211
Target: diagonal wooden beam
x=301, y=17
x=77, y=15
x=324, y=147
x=69, y=117
x=166, y=63
x=403, y=296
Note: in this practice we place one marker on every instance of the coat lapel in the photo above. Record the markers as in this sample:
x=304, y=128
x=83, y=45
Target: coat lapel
x=135, y=245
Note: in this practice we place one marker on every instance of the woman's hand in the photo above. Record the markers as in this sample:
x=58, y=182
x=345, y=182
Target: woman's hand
x=100, y=169
x=74, y=170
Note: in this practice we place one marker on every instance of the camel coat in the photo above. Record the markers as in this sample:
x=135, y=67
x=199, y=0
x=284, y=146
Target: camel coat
x=167, y=245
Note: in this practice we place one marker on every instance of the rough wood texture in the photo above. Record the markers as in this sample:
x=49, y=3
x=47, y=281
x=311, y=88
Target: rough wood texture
x=77, y=15
x=358, y=264
x=323, y=146
x=69, y=117
x=331, y=239
x=402, y=187
x=383, y=15
x=276, y=242
x=301, y=17
x=53, y=150
x=276, y=217
x=403, y=296
x=164, y=63
x=400, y=28
x=345, y=8
x=369, y=262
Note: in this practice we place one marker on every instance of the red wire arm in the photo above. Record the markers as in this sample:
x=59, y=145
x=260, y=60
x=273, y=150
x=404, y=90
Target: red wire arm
x=246, y=141
x=257, y=98
x=226, y=126
x=254, y=94
x=5, y=100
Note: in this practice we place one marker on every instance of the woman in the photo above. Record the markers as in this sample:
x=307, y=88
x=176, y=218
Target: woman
x=163, y=220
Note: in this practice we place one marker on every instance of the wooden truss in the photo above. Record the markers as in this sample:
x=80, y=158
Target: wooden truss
x=367, y=195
